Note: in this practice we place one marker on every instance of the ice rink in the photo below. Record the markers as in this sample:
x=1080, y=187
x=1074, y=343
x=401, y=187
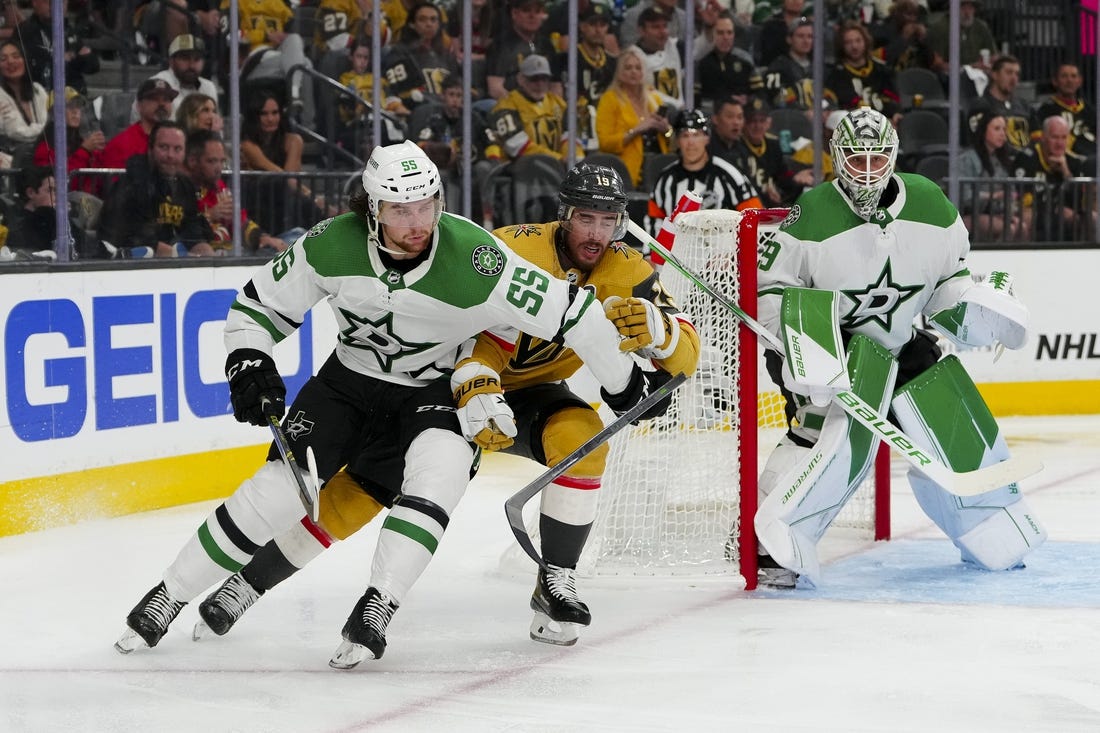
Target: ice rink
x=899, y=637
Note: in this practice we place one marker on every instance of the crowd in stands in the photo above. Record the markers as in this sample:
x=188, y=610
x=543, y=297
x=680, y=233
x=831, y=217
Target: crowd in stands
x=307, y=81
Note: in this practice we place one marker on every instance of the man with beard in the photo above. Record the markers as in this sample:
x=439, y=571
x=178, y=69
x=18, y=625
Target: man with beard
x=154, y=104
x=184, y=72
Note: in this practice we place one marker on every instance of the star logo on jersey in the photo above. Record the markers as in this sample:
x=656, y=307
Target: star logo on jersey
x=378, y=337
x=878, y=302
x=525, y=230
x=319, y=228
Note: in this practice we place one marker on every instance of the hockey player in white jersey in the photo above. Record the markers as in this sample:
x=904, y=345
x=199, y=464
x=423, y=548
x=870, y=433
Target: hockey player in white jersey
x=853, y=266
x=408, y=284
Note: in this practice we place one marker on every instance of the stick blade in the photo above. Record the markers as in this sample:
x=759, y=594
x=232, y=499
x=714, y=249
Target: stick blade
x=979, y=481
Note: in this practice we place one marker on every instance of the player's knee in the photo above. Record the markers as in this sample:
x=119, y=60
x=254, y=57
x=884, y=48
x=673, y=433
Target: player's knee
x=345, y=507
x=437, y=467
x=567, y=430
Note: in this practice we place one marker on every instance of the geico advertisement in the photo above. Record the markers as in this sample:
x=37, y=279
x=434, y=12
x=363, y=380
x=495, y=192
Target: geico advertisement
x=102, y=368
x=1059, y=288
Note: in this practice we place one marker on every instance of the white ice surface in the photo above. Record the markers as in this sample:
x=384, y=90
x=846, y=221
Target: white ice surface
x=899, y=637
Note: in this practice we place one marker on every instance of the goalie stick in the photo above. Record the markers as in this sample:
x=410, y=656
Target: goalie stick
x=962, y=483
x=307, y=491
x=513, y=508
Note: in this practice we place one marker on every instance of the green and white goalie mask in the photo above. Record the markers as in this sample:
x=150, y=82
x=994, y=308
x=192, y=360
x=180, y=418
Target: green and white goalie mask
x=864, y=147
x=404, y=189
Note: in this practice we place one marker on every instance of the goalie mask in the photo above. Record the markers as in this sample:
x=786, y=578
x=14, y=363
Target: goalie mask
x=590, y=187
x=402, y=175
x=864, y=147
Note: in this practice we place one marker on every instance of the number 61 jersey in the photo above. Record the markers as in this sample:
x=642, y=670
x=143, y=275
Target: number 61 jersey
x=402, y=327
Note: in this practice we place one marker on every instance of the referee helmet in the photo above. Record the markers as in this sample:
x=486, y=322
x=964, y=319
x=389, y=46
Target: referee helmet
x=691, y=119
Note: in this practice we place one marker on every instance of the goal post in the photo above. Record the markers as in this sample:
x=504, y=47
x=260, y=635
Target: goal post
x=680, y=492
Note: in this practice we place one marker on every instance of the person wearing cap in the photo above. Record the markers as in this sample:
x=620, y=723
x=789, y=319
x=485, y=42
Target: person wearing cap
x=154, y=103
x=152, y=211
x=84, y=141
x=772, y=41
x=662, y=57
x=789, y=77
x=595, y=60
x=630, y=28
x=588, y=11
x=764, y=161
x=522, y=35
x=718, y=181
x=726, y=70
x=530, y=119
x=186, y=58
x=36, y=35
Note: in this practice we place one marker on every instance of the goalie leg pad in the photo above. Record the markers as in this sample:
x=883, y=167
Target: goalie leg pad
x=943, y=408
x=805, y=495
x=437, y=470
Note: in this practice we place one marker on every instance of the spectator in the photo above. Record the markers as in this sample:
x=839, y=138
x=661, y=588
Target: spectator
x=764, y=160
x=484, y=27
x=199, y=112
x=718, y=181
x=152, y=211
x=595, y=62
x=976, y=42
x=420, y=60
x=521, y=37
x=355, y=124
x=726, y=70
x=530, y=120
x=989, y=209
x=154, y=103
x=84, y=141
x=662, y=58
x=268, y=145
x=184, y=72
x=902, y=38
x=337, y=24
x=1000, y=97
x=22, y=105
x=1068, y=103
x=788, y=81
x=36, y=35
x=1052, y=210
x=33, y=226
x=205, y=161
x=557, y=24
x=773, y=32
x=859, y=79
x=274, y=52
x=727, y=123
x=631, y=122
x=630, y=30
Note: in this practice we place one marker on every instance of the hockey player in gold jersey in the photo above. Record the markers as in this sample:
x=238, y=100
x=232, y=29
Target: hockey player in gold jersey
x=582, y=247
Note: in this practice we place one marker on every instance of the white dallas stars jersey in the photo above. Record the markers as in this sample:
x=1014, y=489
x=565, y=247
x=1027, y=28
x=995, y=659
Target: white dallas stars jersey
x=400, y=327
x=909, y=260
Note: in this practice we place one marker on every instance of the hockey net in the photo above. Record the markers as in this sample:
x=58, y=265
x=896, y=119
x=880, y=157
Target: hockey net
x=679, y=492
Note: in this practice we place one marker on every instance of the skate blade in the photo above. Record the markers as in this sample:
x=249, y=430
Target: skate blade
x=348, y=655
x=201, y=631
x=548, y=631
x=778, y=580
x=129, y=641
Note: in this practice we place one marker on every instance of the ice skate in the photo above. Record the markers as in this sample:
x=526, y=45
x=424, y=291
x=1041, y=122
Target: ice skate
x=365, y=631
x=225, y=606
x=149, y=620
x=559, y=612
x=771, y=574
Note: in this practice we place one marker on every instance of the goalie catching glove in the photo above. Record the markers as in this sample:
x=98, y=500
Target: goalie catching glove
x=642, y=326
x=252, y=377
x=642, y=383
x=483, y=415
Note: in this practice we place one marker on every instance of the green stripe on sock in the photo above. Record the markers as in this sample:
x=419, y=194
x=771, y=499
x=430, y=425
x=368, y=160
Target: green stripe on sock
x=216, y=553
x=414, y=533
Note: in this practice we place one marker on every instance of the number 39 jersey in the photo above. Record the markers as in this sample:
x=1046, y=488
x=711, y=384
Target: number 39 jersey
x=400, y=327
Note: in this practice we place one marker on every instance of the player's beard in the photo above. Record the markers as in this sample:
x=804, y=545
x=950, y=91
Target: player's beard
x=588, y=253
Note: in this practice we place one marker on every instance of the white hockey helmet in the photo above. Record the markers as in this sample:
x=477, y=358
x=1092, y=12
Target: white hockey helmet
x=400, y=173
x=864, y=147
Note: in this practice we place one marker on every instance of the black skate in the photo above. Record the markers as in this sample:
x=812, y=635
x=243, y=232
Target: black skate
x=365, y=631
x=225, y=606
x=559, y=612
x=149, y=620
x=771, y=574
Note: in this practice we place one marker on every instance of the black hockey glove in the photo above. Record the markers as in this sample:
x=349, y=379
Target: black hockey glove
x=252, y=376
x=641, y=384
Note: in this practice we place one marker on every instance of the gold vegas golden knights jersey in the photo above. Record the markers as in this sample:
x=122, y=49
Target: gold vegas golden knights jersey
x=259, y=17
x=622, y=271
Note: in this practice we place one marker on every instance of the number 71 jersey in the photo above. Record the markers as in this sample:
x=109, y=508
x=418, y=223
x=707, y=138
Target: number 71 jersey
x=402, y=327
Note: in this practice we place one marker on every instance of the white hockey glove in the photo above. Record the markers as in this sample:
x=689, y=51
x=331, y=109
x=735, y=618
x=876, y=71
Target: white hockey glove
x=987, y=314
x=483, y=415
x=644, y=328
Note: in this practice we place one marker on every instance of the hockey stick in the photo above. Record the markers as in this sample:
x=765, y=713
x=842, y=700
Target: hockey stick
x=962, y=483
x=513, y=508
x=307, y=491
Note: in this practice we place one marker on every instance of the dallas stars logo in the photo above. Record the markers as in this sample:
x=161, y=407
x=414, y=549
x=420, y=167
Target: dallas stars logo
x=879, y=301
x=298, y=427
x=379, y=338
